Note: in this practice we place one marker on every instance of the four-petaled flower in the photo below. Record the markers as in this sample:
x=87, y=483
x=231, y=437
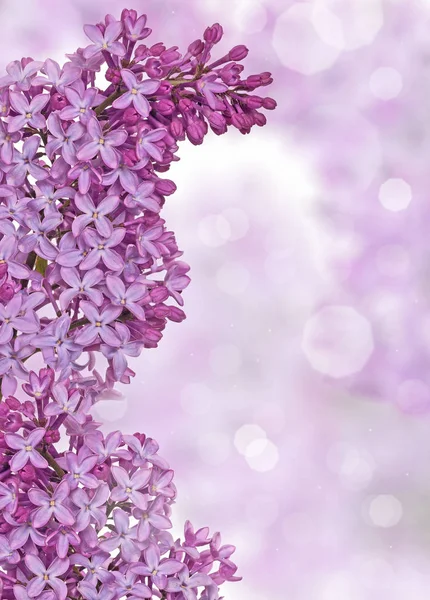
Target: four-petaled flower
x=104, y=41
x=28, y=112
x=137, y=92
x=102, y=143
x=26, y=447
x=51, y=505
x=127, y=487
x=94, y=214
x=47, y=576
x=99, y=324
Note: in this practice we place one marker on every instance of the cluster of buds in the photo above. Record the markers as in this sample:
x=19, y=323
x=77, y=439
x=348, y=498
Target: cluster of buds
x=88, y=268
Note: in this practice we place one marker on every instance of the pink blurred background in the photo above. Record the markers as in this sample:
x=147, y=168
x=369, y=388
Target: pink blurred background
x=294, y=401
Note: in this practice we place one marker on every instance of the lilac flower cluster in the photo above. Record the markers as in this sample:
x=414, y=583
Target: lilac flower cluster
x=92, y=521
x=87, y=262
x=87, y=267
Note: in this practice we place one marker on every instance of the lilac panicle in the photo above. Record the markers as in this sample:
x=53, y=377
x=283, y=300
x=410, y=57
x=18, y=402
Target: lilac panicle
x=88, y=268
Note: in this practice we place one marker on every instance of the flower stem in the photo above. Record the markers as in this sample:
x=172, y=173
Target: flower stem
x=53, y=463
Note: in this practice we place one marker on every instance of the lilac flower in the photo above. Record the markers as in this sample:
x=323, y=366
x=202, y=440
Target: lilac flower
x=47, y=576
x=86, y=175
x=124, y=537
x=132, y=261
x=61, y=140
x=8, y=497
x=26, y=163
x=85, y=286
x=47, y=197
x=209, y=87
x=128, y=487
x=96, y=567
x=79, y=469
x=11, y=318
x=161, y=483
x=98, y=324
x=13, y=207
x=142, y=197
x=158, y=570
x=186, y=584
x=7, y=141
x=64, y=537
x=20, y=74
x=176, y=280
x=89, y=592
x=145, y=240
x=81, y=104
x=57, y=77
x=26, y=447
x=51, y=505
x=21, y=532
x=55, y=343
x=137, y=92
x=11, y=363
x=104, y=41
x=102, y=250
x=107, y=448
x=117, y=354
x=146, y=148
x=94, y=214
x=136, y=30
x=151, y=515
x=126, y=297
x=28, y=112
x=125, y=172
x=38, y=240
x=8, y=250
x=89, y=508
x=64, y=404
x=146, y=452
x=103, y=144
x=8, y=554
x=125, y=584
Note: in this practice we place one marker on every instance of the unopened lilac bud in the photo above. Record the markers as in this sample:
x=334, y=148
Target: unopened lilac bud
x=141, y=52
x=129, y=14
x=177, y=129
x=131, y=116
x=114, y=75
x=7, y=292
x=153, y=68
x=254, y=102
x=260, y=119
x=157, y=49
x=165, y=187
x=238, y=53
x=213, y=34
x=28, y=474
x=170, y=55
x=217, y=120
x=159, y=294
x=13, y=403
x=58, y=102
x=185, y=104
x=269, y=103
x=176, y=314
x=161, y=311
x=196, y=47
x=253, y=81
x=164, y=107
x=102, y=472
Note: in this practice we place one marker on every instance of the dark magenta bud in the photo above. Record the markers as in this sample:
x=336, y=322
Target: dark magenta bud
x=196, y=48
x=238, y=53
x=213, y=34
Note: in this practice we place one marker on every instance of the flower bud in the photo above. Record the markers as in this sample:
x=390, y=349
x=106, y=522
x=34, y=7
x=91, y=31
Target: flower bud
x=213, y=34
x=238, y=53
x=269, y=103
x=196, y=48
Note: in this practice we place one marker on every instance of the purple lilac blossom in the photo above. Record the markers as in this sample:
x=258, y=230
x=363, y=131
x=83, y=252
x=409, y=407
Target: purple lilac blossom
x=87, y=266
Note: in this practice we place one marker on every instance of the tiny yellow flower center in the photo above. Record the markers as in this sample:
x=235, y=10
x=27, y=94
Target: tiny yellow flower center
x=29, y=448
x=100, y=246
x=134, y=91
x=76, y=476
x=98, y=324
x=46, y=577
x=95, y=215
x=101, y=141
x=123, y=301
x=128, y=490
x=82, y=110
x=52, y=503
x=28, y=115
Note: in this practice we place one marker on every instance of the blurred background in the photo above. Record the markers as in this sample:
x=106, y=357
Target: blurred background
x=294, y=402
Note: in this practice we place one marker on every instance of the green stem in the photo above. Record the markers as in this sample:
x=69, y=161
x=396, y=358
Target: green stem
x=53, y=463
x=108, y=101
